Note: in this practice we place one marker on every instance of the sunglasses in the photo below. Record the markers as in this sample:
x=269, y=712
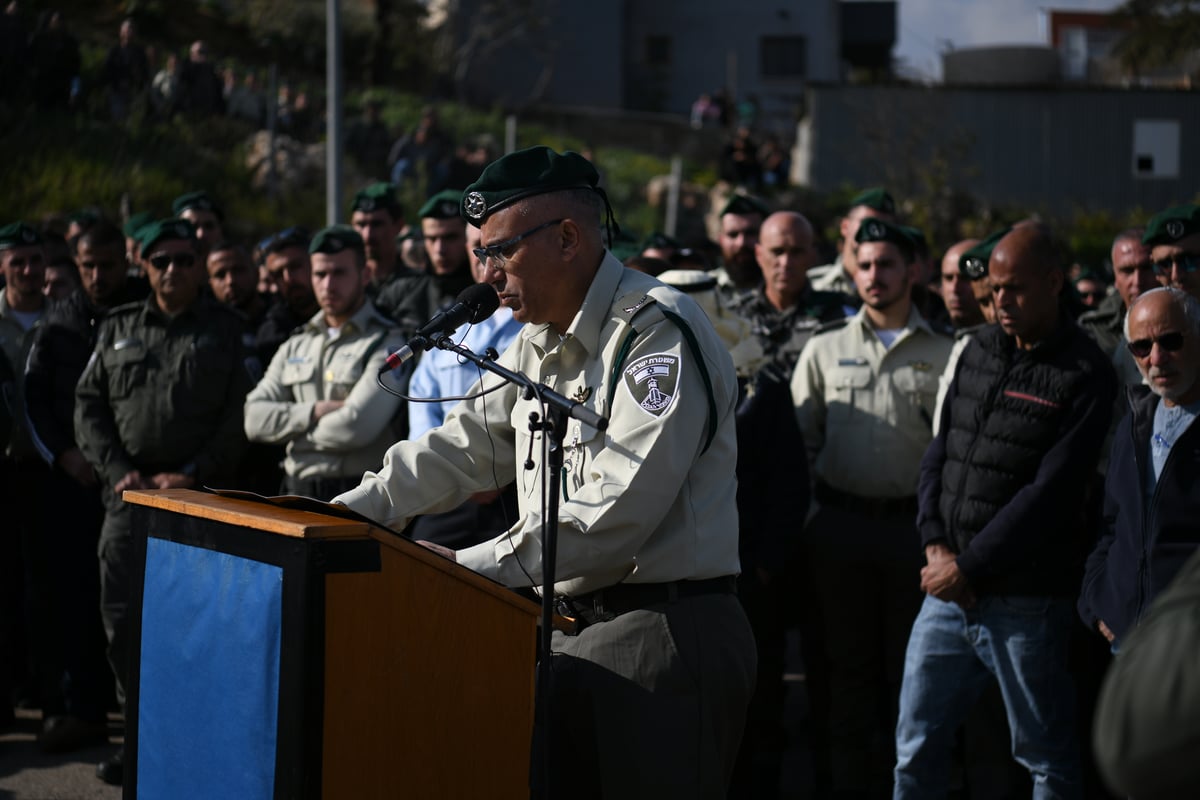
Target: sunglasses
x=164, y=260
x=1170, y=342
x=1186, y=262
x=500, y=252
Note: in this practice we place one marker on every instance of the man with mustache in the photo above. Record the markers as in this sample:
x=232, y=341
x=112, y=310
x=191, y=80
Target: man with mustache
x=1150, y=504
x=864, y=391
x=741, y=218
x=839, y=275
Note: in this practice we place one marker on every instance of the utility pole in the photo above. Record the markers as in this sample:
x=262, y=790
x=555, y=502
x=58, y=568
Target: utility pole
x=333, y=90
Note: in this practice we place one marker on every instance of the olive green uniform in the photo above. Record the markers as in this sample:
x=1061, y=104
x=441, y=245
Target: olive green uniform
x=160, y=394
x=314, y=365
x=15, y=342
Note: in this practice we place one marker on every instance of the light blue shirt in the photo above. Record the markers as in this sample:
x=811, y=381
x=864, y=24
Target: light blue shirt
x=442, y=373
x=1169, y=425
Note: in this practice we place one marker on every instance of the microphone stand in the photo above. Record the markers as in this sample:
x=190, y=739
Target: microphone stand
x=558, y=409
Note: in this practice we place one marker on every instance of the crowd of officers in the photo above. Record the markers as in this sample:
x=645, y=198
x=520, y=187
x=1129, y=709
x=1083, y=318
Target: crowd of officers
x=165, y=355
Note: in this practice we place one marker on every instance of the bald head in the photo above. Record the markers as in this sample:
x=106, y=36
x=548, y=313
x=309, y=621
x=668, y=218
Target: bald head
x=1163, y=330
x=1026, y=282
x=785, y=253
x=957, y=291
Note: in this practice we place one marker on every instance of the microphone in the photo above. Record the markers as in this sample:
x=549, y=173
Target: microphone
x=474, y=304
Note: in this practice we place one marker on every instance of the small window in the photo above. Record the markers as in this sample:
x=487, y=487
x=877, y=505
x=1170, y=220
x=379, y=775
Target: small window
x=1156, y=148
x=783, y=56
x=658, y=50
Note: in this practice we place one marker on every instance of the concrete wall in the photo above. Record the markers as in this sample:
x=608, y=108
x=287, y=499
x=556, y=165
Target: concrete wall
x=599, y=53
x=1055, y=150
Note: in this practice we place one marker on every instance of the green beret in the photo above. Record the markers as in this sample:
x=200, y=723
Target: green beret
x=1171, y=225
x=200, y=201
x=877, y=199
x=160, y=230
x=920, y=243
x=443, y=205
x=19, y=234
x=84, y=217
x=525, y=173
x=377, y=197
x=744, y=204
x=135, y=223
x=875, y=229
x=335, y=239
x=660, y=240
x=973, y=263
x=624, y=245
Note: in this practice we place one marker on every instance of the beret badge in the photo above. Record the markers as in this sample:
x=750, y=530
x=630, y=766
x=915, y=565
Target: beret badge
x=475, y=205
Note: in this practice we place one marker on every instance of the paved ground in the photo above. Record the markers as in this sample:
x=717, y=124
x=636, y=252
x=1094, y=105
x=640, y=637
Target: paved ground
x=28, y=774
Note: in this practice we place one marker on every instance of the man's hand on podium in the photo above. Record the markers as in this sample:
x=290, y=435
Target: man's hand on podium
x=172, y=480
x=437, y=548
x=132, y=480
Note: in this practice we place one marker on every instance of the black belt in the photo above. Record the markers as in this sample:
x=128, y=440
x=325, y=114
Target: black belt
x=870, y=506
x=613, y=601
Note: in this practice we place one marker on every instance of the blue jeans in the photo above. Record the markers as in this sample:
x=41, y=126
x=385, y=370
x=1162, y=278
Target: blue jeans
x=952, y=653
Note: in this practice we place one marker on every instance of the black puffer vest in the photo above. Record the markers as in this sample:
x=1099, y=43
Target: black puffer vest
x=1011, y=407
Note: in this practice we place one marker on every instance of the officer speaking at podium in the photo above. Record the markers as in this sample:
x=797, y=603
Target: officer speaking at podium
x=650, y=691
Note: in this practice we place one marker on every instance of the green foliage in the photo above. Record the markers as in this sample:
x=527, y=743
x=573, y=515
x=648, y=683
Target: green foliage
x=1162, y=33
x=70, y=163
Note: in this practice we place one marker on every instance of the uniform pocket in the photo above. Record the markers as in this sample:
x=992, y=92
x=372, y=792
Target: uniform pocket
x=125, y=365
x=843, y=381
x=297, y=372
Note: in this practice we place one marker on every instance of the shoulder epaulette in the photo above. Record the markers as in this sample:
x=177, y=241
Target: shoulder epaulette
x=631, y=304
x=971, y=330
x=825, y=327
x=125, y=308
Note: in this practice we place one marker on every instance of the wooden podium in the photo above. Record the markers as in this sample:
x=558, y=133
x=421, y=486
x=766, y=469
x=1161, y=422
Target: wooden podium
x=288, y=654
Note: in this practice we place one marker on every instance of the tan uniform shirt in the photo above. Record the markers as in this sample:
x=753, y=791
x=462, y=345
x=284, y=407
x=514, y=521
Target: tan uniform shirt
x=865, y=410
x=947, y=378
x=312, y=366
x=643, y=501
x=832, y=278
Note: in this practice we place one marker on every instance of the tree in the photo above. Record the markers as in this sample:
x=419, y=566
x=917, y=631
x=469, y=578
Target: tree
x=1162, y=33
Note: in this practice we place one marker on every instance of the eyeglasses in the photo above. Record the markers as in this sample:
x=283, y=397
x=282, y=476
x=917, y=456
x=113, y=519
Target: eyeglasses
x=164, y=260
x=501, y=252
x=1186, y=262
x=1171, y=342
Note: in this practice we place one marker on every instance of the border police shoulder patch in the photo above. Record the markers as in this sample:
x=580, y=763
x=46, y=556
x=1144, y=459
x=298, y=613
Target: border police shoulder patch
x=652, y=382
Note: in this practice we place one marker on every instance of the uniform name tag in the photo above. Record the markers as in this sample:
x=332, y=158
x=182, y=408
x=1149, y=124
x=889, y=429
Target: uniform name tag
x=852, y=362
